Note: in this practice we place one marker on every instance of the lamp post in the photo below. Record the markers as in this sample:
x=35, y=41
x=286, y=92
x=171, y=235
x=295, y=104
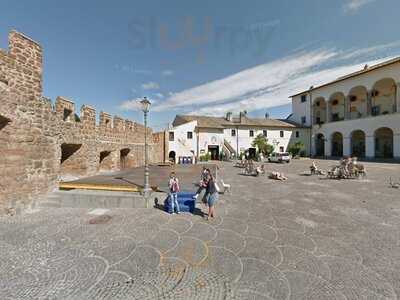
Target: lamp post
x=146, y=190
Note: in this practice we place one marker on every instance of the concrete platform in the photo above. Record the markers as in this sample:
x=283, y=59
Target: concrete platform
x=131, y=180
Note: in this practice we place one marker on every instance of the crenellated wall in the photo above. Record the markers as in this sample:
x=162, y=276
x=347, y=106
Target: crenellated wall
x=41, y=144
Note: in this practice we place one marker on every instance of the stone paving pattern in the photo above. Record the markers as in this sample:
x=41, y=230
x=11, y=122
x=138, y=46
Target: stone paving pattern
x=306, y=238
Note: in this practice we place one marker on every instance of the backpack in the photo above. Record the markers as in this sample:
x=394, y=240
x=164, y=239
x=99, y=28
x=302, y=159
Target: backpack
x=175, y=186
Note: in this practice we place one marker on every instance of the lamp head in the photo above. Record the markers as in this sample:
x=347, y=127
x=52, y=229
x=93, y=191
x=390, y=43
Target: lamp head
x=145, y=105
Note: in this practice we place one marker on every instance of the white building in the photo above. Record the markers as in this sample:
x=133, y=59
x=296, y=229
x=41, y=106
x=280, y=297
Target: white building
x=356, y=115
x=194, y=136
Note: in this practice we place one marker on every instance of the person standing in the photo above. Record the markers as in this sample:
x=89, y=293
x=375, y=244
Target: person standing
x=173, y=192
x=212, y=193
x=203, y=182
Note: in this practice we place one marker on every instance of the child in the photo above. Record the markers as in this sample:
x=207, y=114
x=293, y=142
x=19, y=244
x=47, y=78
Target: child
x=212, y=196
x=173, y=192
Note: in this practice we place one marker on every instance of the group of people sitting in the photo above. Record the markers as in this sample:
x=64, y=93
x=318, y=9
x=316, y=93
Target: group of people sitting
x=348, y=167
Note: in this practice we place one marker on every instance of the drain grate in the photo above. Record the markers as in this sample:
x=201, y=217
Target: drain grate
x=100, y=219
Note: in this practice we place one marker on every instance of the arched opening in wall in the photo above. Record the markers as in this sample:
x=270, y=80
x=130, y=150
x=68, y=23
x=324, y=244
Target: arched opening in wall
x=319, y=111
x=4, y=122
x=71, y=163
x=337, y=145
x=172, y=157
x=384, y=143
x=104, y=160
x=336, y=107
x=358, y=143
x=123, y=158
x=358, y=102
x=320, y=145
x=383, y=97
x=68, y=150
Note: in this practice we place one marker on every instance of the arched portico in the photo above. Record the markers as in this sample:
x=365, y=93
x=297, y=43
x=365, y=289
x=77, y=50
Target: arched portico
x=320, y=145
x=336, y=107
x=358, y=143
x=337, y=144
x=383, y=97
x=383, y=143
x=358, y=102
x=319, y=111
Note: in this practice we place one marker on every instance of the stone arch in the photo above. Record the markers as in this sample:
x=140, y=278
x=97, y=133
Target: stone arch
x=358, y=99
x=337, y=144
x=105, y=161
x=72, y=161
x=124, y=158
x=336, y=107
x=172, y=156
x=383, y=97
x=319, y=111
x=383, y=142
x=358, y=143
x=320, y=145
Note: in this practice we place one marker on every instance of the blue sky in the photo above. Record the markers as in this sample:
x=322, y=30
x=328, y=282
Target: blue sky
x=204, y=57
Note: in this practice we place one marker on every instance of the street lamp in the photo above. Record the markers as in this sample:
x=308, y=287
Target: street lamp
x=145, y=103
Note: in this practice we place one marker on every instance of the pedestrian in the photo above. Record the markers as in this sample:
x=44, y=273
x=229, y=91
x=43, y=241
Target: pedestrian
x=212, y=193
x=173, y=192
x=203, y=182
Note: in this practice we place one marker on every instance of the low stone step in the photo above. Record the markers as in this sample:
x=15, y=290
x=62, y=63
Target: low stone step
x=99, y=199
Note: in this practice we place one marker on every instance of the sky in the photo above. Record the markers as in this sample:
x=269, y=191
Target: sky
x=200, y=57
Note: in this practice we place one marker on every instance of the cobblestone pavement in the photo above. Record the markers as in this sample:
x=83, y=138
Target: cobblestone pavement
x=306, y=238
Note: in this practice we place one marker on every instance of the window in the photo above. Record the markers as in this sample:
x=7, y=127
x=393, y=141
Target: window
x=303, y=98
x=233, y=132
x=265, y=133
x=297, y=134
x=251, y=133
x=282, y=133
x=171, y=136
x=281, y=149
x=189, y=135
x=303, y=120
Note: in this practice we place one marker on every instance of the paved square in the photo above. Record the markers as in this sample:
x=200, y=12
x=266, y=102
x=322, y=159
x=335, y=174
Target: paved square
x=306, y=238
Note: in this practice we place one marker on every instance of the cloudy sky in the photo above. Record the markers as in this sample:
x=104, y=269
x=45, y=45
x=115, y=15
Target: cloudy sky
x=200, y=57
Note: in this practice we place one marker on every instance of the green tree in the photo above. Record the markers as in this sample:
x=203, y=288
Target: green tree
x=296, y=148
x=261, y=143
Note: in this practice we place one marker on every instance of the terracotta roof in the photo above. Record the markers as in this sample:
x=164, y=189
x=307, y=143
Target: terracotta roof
x=354, y=74
x=221, y=122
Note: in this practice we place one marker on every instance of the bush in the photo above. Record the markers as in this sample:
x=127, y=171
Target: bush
x=295, y=149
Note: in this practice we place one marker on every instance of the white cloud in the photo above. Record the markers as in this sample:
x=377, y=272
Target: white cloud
x=159, y=95
x=133, y=104
x=248, y=81
x=352, y=6
x=151, y=85
x=270, y=84
x=167, y=73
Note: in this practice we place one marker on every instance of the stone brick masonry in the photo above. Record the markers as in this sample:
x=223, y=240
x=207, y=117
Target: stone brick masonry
x=41, y=144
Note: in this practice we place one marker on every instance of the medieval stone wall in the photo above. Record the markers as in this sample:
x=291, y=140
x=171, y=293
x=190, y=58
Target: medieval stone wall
x=41, y=144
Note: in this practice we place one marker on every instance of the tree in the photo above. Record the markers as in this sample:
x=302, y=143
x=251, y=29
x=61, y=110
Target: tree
x=261, y=143
x=296, y=148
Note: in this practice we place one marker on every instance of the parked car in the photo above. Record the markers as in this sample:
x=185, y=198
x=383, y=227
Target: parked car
x=279, y=157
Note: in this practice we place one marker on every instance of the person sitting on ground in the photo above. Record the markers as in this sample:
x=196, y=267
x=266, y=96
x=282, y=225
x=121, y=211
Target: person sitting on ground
x=212, y=193
x=173, y=192
x=260, y=170
x=277, y=176
x=203, y=182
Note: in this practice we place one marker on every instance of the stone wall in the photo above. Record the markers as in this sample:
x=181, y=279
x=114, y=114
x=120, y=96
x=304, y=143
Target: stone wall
x=41, y=144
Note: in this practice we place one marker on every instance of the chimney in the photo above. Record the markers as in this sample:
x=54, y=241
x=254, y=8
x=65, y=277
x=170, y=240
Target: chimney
x=242, y=115
x=228, y=116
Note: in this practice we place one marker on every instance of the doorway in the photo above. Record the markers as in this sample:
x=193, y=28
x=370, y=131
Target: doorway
x=214, y=151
